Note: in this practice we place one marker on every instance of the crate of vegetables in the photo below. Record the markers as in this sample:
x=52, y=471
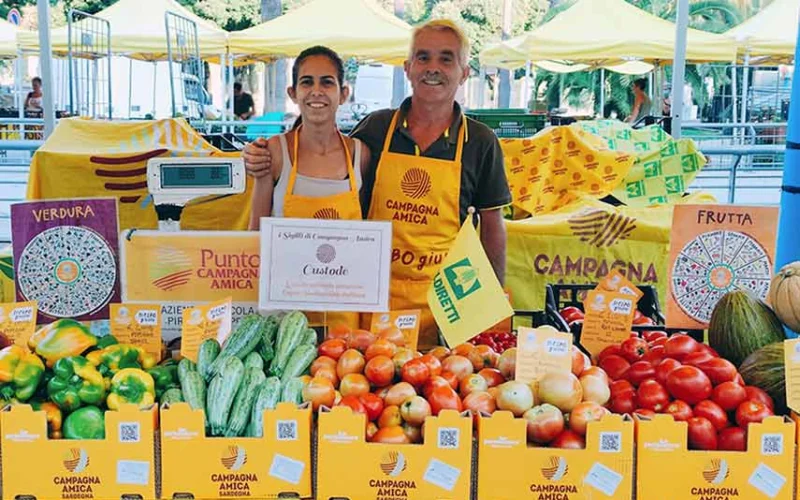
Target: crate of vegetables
x=107, y=454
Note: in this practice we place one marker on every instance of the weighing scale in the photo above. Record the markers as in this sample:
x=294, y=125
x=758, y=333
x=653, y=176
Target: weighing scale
x=174, y=182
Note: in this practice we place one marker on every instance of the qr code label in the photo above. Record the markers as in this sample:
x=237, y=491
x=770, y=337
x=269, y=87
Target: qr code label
x=129, y=432
x=772, y=444
x=287, y=430
x=448, y=438
x=610, y=442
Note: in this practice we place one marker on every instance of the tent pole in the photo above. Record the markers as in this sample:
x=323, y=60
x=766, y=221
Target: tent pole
x=18, y=100
x=230, y=90
x=46, y=65
x=679, y=66
x=155, y=81
x=651, y=91
x=481, y=86
x=130, y=86
x=224, y=82
x=734, y=94
x=602, y=92
x=526, y=87
x=745, y=86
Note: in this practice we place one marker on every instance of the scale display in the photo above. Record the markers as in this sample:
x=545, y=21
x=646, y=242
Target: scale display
x=193, y=176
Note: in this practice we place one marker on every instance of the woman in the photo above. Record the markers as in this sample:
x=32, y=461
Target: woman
x=316, y=171
x=33, y=101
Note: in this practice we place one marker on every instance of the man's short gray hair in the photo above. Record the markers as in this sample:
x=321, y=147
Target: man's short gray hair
x=444, y=25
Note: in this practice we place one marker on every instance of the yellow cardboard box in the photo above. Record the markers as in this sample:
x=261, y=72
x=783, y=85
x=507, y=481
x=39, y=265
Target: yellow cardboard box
x=764, y=471
x=243, y=467
x=350, y=468
x=509, y=470
x=122, y=464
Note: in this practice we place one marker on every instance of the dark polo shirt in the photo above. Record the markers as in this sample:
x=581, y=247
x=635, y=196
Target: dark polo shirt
x=483, y=175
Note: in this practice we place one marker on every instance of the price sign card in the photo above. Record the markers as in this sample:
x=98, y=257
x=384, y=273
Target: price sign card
x=205, y=322
x=406, y=321
x=791, y=354
x=540, y=351
x=324, y=265
x=18, y=321
x=615, y=281
x=139, y=325
x=609, y=317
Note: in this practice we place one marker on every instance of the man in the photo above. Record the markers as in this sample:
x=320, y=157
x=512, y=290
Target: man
x=430, y=164
x=242, y=103
x=641, y=102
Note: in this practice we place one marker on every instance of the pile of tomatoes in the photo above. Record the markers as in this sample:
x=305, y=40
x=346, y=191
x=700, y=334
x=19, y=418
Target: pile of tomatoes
x=687, y=379
x=498, y=341
x=573, y=315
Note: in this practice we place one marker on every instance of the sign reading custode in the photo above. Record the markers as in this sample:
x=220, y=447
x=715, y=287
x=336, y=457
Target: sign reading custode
x=325, y=265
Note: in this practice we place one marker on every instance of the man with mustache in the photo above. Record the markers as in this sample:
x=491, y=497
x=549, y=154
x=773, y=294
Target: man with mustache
x=430, y=164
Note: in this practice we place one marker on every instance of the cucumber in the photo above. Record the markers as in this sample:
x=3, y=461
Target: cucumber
x=253, y=360
x=185, y=366
x=291, y=331
x=193, y=389
x=240, y=343
x=245, y=397
x=222, y=392
x=206, y=354
x=293, y=391
x=172, y=396
x=301, y=359
x=269, y=393
x=309, y=337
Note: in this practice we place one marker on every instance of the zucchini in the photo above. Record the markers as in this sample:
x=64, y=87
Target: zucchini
x=269, y=393
x=253, y=360
x=172, y=396
x=240, y=343
x=291, y=331
x=293, y=391
x=206, y=354
x=245, y=397
x=309, y=337
x=193, y=389
x=301, y=359
x=266, y=347
x=185, y=366
x=221, y=393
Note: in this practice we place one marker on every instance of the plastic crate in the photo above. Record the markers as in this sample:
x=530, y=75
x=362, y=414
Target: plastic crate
x=509, y=123
x=561, y=296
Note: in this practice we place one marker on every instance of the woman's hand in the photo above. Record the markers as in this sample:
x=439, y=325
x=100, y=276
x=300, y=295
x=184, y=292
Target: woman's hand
x=257, y=159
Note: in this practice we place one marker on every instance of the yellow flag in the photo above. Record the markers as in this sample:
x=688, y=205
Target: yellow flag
x=465, y=297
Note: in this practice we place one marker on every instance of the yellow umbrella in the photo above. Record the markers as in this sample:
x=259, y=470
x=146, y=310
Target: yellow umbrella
x=771, y=32
x=138, y=30
x=8, y=39
x=353, y=28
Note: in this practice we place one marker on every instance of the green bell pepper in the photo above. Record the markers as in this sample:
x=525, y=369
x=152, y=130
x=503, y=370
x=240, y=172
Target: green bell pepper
x=85, y=423
x=131, y=385
x=75, y=383
x=20, y=374
x=165, y=376
x=105, y=341
x=116, y=357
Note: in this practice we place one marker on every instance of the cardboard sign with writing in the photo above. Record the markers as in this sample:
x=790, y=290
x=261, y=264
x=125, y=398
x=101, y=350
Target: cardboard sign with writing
x=540, y=351
x=791, y=355
x=407, y=321
x=615, y=281
x=205, y=322
x=18, y=321
x=716, y=249
x=609, y=317
x=139, y=325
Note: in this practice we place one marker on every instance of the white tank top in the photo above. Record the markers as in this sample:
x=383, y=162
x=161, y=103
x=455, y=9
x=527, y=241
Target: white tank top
x=310, y=186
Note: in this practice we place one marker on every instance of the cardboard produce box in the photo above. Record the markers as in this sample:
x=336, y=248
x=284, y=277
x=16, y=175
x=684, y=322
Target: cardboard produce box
x=764, y=471
x=242, y=467
x=350, y=468
x=510, y=470
x=122, y=464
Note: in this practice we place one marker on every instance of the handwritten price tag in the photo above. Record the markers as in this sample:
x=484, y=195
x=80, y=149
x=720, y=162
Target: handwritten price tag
x=540, y=351
x=137, y=324
x=791, y=355
x=615, y=281
x=407, y=321
x=205, y=322
x=608, y=321
x=18, y=321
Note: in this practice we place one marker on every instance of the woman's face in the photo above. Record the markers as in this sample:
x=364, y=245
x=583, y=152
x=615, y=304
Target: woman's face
x=318, y=93
x=36, y=85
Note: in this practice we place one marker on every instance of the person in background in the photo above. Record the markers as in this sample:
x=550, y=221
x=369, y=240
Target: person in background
x=243, y=105
x=641, y=101
x=33, y=101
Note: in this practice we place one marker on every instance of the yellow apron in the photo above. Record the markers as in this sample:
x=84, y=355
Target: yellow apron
x=345, y=205
x=421, y=197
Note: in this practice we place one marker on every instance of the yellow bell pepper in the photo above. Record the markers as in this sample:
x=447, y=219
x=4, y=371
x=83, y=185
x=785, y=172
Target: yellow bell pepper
x=61, y=339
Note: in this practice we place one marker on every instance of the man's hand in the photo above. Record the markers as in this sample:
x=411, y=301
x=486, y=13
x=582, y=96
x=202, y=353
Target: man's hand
x=257, y=159
x=493, y=238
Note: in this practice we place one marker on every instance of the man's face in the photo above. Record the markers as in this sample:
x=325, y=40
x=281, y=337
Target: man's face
x=434, y=69
x=237, y=91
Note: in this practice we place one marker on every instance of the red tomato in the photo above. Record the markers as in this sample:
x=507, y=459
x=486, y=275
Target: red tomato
x=332, y=348
x=713, y=412
x=689, y=383
x=732, y=439
x=658, y=342
x=544, y=423
x=433, y=383
x=623, y=403
x=718, y=370
x=697, y=358
x=614, y=365
x=415, y=372
x=633, y=349
x=380, y=371
x=643, y=412
x=739, y=380
x=729, y=395
x=707, y=349
x=679, y=346
x=619, y=387
x=433, y=363
x=568, y=440
x=492, y=375
x=757, y=394
x=373, y=404
x=652, y=396
x=680, y=410
x=596, y=371
x=582, y=414
x=702, y=435
x=571, y=314
x=639, y=372
x=444, y=398
x=654, y=355
x=354, y=403
x=612, y=349
x=637, y=315
x=664, y=368
x=650, y=336
x=751, y=412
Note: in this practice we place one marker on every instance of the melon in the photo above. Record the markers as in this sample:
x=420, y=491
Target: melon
x=742, y=324
x=784, y=295
x=765, y=370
